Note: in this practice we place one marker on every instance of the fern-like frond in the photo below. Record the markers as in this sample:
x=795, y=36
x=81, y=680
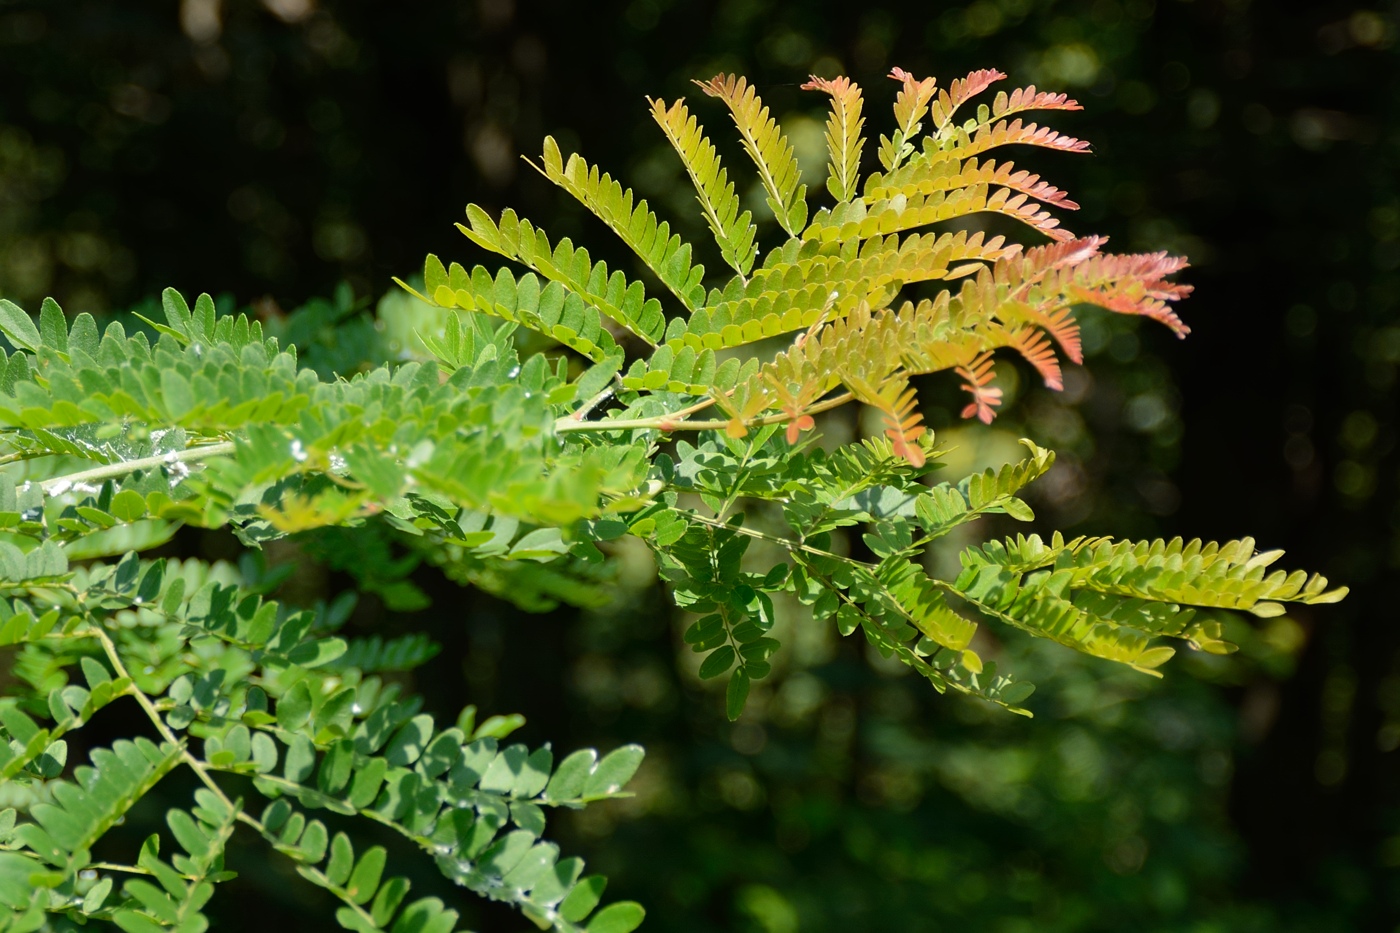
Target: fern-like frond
x=904, y=617
x=1133, y=284
x=863, y=345
x=933, y=256
x=859, y=220
x=985, y=397
x=568, y=313
x=1028, y=98
x=683, y=368
x=1040, y=611
x=1006, y=304
x=844, y=140
x=963, y=144
x=993, y=491
x=1230, y=575
x=911, y=105
x=665, y=253
x=1035, y=347
x=376, y=654
x=791, y=299
x=516, y=238
x=1038, y=264
x=183, y=885
x=82, y=812
x=898, y=406
x=927, y=176
x=1109, y=598
x=946, y=104
x=734, y=230
x=922, y=601
x=1051, y=277
x=810, y=283
x=453, y=794
x=1004, y=105
x=767, y=146
x=1059, y=323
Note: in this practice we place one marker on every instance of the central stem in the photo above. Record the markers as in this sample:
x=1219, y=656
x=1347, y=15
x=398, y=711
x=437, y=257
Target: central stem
x=59, y=484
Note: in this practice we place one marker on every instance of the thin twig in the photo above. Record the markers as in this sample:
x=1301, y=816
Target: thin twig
x=119, y=668
x=123, y=467
x=202, y=772
x=786, y=543
x=133, y=870
x=582, y=411
x=673, y=421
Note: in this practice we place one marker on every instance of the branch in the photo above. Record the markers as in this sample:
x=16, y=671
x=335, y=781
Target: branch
x=582, y=411
x=134, y=870
x=798, y=548
x=674, y=420
x=786, y=543
x=312, y=873
x=110, y=648
x=60, y=484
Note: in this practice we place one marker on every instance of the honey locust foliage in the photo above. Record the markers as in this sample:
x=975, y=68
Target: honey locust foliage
x=838, y=281
x=507, y=470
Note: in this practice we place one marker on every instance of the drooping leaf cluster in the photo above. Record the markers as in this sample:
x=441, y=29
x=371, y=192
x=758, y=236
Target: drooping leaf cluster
x=512, y=472
x=1106, y=598
x=240, y=685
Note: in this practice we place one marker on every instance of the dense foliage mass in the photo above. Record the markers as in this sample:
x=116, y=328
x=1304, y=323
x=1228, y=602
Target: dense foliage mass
x=511, y=465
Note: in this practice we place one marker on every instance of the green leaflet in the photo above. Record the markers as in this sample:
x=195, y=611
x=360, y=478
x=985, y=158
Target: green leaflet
x=18, y=327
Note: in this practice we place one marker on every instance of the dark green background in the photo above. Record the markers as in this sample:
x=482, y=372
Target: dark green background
x=275, y=150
